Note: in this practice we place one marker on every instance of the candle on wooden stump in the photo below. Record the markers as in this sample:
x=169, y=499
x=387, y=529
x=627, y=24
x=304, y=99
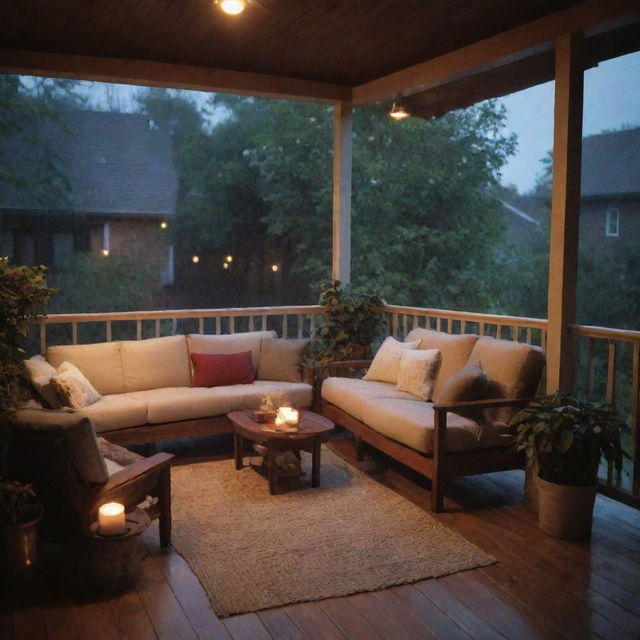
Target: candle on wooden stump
x=288, y=416
x=111, y=519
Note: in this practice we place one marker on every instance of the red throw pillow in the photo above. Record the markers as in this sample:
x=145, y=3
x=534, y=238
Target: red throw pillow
x=218, y=369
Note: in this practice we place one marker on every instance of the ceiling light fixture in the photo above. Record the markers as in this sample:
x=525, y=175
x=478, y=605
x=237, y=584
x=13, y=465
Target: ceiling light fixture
x=232, y=7
x=398, y=111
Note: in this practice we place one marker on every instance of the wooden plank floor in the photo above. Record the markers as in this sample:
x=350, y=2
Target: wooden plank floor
x=541, y=588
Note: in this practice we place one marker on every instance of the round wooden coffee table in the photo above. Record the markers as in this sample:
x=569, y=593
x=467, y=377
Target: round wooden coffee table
x=313, y=430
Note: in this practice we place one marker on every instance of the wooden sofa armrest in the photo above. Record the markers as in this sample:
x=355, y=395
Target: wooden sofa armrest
x=134, y=471
x=484, y=404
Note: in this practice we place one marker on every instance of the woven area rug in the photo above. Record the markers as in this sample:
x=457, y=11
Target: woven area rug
x=255, y=551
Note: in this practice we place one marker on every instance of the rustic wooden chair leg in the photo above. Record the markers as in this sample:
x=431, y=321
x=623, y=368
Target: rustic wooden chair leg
x=437, y=494
x=359, y=449
x=164, y=500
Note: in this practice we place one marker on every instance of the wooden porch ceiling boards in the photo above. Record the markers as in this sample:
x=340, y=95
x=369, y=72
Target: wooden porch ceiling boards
x=343, y=42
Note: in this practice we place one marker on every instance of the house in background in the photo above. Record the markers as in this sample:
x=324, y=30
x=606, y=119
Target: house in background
x=610, y=203
x=105, y=183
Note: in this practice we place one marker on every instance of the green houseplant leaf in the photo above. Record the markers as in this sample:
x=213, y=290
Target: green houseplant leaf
x=568, y=437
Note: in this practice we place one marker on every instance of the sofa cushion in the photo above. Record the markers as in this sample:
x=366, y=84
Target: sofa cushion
x=155, y=363
x=468, y=384
x=40, y=373
x=186, y=403
x=514, y=370
x=220, y=369
x=77, y=435
x=249, y=396
x=117, y=411
x=101, y=363
x=350, y=394
x=411, y=423
x=232, y=343
x=281, y=359
x=418, y=372
x=454, y=349
x=386, y=363
x=72, y=387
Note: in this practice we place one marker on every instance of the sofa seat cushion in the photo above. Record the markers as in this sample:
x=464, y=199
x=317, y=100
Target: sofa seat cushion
x=175, y=404
x=351, y=394
x=101, y=363
x=249, y=396
x=411, y=423
x=117, y=411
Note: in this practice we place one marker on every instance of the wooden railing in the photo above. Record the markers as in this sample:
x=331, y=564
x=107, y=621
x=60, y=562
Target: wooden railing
x=607, y=360
x=608, y=369
x=298, y=321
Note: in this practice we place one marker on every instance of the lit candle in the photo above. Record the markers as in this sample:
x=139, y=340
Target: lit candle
x=279, y=421
x=111, y=519
x=288, y=415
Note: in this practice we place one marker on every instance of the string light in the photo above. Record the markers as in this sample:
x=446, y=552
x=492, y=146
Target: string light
x=274, y=267
x=105, y=252
x=195, y=259
x=164, y=225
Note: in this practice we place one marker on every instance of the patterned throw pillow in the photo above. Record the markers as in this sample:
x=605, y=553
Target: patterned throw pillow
x=386, y=364
x=418, y=372
x=73, y=388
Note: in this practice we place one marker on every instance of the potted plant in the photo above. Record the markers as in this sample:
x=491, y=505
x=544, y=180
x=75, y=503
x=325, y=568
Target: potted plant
x=352, y=320
x=565, y=439
x=20, y=513
x=23, y=298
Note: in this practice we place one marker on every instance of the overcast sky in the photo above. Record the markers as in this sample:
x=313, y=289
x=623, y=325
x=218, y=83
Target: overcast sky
x=611, y=100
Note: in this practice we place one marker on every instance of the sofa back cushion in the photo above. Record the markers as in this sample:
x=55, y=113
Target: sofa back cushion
x=281, y=359
x=232, y=343
x=454, y=350
x=101, y=363
x=514, y=370
x=155, y=363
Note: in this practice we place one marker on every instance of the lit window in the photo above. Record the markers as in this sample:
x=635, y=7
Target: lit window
x=612, y=225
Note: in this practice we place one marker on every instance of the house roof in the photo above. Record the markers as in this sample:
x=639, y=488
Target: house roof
x=611, y=163
x=115, y=163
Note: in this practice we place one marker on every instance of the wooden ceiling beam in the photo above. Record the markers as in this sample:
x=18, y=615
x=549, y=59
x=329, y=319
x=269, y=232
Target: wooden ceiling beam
x=492, y=52
x=161, y=74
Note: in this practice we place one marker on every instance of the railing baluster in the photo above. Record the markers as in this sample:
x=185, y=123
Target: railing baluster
x=405, y=325
x=43, y=337
x=394, y=325
x=514, y=333
x=635, y=418
x=591, y=351
x=252, y=326
x=264, y=322
x=312, y=324
x=438, y=323
x=138, y=329
x=481, y=328
x=499, y=331
x=232, y=324
x=611, y=373
x=528, y=337
x=109, y=331
x=285, y=318
x=200, y=326
x=218, y=325
x=543, y=339
x=74, y=333
x=300, y=326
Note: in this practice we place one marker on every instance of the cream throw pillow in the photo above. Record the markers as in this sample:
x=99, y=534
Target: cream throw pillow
x=386, y=364
x=40, y=372
x=73, y=389
x=418, y=372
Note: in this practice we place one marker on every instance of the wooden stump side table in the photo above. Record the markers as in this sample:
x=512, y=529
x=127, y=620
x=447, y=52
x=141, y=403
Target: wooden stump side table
x=313, y=430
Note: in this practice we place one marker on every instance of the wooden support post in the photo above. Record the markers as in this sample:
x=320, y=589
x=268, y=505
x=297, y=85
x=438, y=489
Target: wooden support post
x=342, y=153
x=565, y=210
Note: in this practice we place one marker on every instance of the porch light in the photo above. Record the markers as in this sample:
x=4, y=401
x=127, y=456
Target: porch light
x=195, y=259
x=274, y=267
x=232, y=7
x=398, y=111
x=163, y=225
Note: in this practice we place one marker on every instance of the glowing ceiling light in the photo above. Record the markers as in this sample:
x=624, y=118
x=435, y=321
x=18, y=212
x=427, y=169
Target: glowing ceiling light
x=398, y=111
x=195, y=259
x=274, y=267
x=232, y=7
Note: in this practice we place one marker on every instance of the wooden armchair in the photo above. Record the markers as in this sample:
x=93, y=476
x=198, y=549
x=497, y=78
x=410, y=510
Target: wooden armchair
x=73, y=473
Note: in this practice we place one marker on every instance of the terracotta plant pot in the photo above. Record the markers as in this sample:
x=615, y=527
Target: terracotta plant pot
x=20, y=550
x=565, y=512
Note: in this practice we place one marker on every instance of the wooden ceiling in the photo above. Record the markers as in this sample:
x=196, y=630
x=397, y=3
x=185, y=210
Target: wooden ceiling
x=321, y=49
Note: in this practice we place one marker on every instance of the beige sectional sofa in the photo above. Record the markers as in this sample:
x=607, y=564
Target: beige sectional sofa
x=442, y=441
x=146, y=392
